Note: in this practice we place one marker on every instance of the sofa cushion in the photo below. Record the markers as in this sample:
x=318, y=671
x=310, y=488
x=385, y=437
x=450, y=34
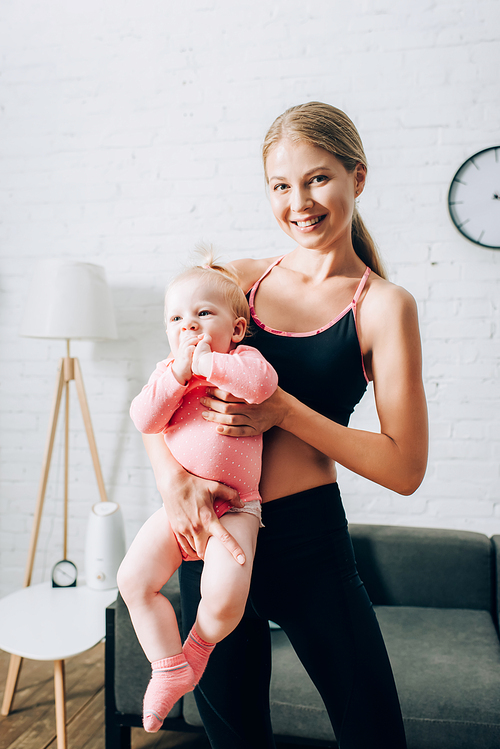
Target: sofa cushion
x=424, y=566
x=446, y=664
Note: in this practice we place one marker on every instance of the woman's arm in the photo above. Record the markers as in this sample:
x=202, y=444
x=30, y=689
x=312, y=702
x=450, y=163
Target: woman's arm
x=397, y=456
x=188, y=502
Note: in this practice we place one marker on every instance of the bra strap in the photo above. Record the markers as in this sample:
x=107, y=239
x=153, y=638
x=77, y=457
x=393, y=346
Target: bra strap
x=256, y=285
x=268, y=270
x=361, y=286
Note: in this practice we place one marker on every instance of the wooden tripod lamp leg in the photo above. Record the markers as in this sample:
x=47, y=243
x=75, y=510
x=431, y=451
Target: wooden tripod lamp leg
x=42, y=487
x=59, y=689
x=88, y=428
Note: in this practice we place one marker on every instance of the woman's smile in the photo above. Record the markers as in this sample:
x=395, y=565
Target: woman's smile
x=306, y=223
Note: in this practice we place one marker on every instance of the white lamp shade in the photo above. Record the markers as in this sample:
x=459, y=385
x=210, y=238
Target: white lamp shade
x=69, y=300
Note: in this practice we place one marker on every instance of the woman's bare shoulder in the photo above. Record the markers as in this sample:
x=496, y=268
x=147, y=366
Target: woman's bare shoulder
x=382, y=295
x=386, y=307
x=249, y=270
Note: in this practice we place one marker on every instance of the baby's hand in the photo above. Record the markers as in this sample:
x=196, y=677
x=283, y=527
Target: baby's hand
x=202, y=357
x=182, y=366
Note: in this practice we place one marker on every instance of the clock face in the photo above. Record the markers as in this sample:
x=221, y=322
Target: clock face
x=64, y=574
x=474, y=198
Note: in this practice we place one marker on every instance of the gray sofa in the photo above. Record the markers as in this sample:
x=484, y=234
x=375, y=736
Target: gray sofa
x=437, y=599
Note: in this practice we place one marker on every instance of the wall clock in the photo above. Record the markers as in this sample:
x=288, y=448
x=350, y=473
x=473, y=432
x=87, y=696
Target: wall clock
x=474, y=198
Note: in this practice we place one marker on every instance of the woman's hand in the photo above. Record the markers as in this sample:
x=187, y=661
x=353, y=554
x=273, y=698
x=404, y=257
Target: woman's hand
x=189, y=505
x=237, y=418
x=188, y=501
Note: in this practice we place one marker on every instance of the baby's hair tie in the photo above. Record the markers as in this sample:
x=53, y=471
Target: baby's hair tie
x=207, y=267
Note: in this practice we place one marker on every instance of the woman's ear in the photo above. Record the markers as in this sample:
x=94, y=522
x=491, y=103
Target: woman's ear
x=240, y=328
x=359, y=178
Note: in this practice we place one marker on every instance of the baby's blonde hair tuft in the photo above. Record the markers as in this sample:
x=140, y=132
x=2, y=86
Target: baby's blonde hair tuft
x=213, y=271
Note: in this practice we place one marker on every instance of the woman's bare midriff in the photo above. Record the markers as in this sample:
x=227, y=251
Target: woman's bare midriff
x=290, y=466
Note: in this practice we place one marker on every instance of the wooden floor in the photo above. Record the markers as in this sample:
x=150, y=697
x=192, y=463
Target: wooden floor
x=31, y=723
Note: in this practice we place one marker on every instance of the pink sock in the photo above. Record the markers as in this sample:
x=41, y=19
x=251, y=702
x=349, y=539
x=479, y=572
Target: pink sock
x=197, y=653
x=171, y=678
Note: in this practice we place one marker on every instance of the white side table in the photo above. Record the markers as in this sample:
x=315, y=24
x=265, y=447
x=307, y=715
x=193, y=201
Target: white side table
x=51, y=624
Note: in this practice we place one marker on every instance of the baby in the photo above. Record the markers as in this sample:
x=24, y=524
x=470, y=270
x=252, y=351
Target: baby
x=206, y=315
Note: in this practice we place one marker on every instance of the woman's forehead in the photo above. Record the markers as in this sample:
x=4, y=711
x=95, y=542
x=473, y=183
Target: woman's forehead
x=300, y=154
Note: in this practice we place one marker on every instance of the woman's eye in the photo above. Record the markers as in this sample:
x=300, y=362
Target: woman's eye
x=319, y=178
x=280, y=188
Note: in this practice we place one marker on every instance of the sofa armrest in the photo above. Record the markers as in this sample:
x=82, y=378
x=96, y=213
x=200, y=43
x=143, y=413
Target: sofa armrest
x=116, y=735
x=495, y=542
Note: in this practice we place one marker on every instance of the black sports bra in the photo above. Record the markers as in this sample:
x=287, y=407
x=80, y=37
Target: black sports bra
x=322, y=368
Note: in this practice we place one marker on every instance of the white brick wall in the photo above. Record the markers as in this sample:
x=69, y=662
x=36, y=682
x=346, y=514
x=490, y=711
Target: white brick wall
x=130, y=130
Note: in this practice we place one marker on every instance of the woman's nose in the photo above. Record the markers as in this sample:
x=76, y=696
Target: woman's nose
x=301, y=200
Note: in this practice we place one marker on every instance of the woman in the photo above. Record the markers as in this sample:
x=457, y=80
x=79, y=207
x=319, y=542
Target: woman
x=328, y=321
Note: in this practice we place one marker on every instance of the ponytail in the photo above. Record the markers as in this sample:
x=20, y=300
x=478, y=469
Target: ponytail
x=364, y=245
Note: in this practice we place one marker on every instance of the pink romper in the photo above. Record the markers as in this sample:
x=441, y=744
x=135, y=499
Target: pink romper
x=164, y=405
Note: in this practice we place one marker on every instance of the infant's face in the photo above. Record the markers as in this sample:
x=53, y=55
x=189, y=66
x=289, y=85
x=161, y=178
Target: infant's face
x=194, y=309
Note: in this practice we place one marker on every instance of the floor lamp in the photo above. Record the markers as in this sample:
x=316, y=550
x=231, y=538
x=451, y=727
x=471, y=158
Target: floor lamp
x=67, y=300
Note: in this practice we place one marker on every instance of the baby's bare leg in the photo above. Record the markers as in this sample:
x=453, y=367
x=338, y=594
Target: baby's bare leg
x=225, y=583
x=150, y=562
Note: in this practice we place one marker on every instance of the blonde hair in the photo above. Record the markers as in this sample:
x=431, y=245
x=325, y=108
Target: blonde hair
x=331, y=129
x=211, y=270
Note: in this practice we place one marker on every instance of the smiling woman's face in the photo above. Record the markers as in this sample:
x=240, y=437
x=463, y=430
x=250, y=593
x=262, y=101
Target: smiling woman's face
x=312, y=194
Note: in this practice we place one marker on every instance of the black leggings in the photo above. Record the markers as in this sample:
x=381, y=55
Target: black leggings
x=305, y=580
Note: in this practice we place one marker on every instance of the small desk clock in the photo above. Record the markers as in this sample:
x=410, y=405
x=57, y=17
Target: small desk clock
x=64, y=574
x=474, y=198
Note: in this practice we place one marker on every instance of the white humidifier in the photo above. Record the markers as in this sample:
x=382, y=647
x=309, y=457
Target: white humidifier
x=105, y=545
